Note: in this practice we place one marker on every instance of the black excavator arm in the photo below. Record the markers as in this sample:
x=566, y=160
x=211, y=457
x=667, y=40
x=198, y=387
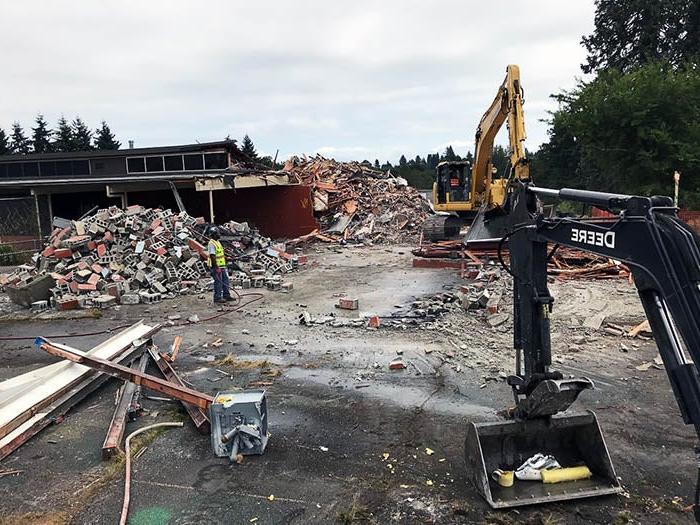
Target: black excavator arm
x=663, y=254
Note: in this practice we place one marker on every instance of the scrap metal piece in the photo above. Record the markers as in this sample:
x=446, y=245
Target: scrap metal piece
x=122, y=372
x=125, y=403
x=239, y=424
x=198, y=416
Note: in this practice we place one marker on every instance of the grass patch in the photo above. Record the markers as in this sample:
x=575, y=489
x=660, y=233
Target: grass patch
x=232, y=361
x=622, y=517
x=356, y=513
x=36, y=518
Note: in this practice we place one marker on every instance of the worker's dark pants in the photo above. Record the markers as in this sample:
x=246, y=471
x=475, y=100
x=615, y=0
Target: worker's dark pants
x=221, y=284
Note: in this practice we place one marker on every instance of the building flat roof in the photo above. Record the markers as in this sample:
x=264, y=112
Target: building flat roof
x=129, y=152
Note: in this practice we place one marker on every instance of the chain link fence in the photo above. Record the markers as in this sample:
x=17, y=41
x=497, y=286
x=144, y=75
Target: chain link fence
x=19, y=234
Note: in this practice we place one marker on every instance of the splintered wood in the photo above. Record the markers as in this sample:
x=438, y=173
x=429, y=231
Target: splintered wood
x=566, y=263
x=356, y=202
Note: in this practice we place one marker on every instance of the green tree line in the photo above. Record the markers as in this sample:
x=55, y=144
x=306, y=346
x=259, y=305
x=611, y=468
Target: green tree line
x=66, y=136
x=632, y=122
x=637, y=120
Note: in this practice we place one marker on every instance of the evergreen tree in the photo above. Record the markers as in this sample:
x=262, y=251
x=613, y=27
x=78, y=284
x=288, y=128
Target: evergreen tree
x=64, y=140
x=4, y=143
x=376, y=164
x=248, y=148
x=105, y=139
x=631, y=33
x=432, y=161
x=450, y=154
x=41, y=136
x=402, y=161
x=82, y=135
x=19, y=142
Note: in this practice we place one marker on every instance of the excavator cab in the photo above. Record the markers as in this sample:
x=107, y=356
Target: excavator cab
x=453, y=182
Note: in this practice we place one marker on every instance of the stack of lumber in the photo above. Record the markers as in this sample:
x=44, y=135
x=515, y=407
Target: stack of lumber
x=31, y=401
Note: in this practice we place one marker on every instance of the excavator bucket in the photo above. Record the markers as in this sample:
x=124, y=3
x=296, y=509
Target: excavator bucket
x=487, y=228
x=574, y=440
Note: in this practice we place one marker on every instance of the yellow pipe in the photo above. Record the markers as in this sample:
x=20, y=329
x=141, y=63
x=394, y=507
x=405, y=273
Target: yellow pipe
x=558, y=475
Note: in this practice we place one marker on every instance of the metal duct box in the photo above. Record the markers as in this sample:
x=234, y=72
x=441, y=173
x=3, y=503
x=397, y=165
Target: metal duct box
x=238, y=424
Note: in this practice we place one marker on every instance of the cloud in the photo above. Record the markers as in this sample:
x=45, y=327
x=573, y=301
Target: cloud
x=370, y=79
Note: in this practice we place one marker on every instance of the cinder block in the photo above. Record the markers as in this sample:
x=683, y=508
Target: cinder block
x=130, y=298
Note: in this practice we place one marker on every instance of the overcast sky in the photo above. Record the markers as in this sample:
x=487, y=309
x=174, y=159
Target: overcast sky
x=349, y=79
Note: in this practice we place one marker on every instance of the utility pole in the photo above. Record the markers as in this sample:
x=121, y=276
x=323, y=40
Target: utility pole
x=676, y=181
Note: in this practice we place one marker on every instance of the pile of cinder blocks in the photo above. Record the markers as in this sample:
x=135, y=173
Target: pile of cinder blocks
x=262, y=262
x=136, y=255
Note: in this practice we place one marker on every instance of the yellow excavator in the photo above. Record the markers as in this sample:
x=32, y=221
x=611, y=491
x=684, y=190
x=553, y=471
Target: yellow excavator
x=470, y=193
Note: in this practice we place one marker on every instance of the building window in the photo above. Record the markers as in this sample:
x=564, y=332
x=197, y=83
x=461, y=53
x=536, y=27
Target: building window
x=3, y=170
x=194, y=162
x=173, y=163
x=64, y=168
x=99, y=165
x=135, y=165
x=14, y=169
x=31, y=169
x=215, y=161
x=48, y=169
x=81, y=167
x=154, y=163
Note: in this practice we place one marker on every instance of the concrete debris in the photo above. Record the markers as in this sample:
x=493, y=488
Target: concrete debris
x=348, y=304
x=355, y=202
x=145, y=253
x=141, y=255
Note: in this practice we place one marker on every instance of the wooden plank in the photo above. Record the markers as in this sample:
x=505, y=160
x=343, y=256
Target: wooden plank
x=44, y=387
x=199, y=418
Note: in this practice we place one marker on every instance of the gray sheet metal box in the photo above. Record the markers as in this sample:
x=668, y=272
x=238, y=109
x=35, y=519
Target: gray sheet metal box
x=238, y=423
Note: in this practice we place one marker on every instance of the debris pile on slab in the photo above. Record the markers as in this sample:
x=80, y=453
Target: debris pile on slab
x=355, y=202
x=565, y=263
x=140, y=255
x=259, y=261
x=136, y=255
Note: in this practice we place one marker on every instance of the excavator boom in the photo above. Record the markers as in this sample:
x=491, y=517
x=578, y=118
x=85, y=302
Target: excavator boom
x=470, y=192
x=507, y=106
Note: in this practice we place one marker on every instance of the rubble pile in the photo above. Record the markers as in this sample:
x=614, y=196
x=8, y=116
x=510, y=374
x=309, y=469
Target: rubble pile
x=258, y=261
x=565, y=263
x=356, y=202
x=131, y=256
x=140, y=255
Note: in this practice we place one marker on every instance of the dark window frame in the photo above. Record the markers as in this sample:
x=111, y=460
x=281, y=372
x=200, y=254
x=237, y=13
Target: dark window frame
x=192, y=156
x=142, y=159
x=181, y=165
x=152, y=158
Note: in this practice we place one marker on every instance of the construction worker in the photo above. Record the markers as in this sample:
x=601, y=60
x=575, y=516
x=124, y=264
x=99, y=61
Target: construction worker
x=217, y=264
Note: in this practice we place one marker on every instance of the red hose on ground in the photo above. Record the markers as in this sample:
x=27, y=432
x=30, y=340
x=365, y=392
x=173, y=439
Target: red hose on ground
x=257, y=296
x=127, y=475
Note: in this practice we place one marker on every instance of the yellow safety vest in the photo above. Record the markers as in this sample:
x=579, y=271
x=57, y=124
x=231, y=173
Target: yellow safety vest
x=218, y=254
